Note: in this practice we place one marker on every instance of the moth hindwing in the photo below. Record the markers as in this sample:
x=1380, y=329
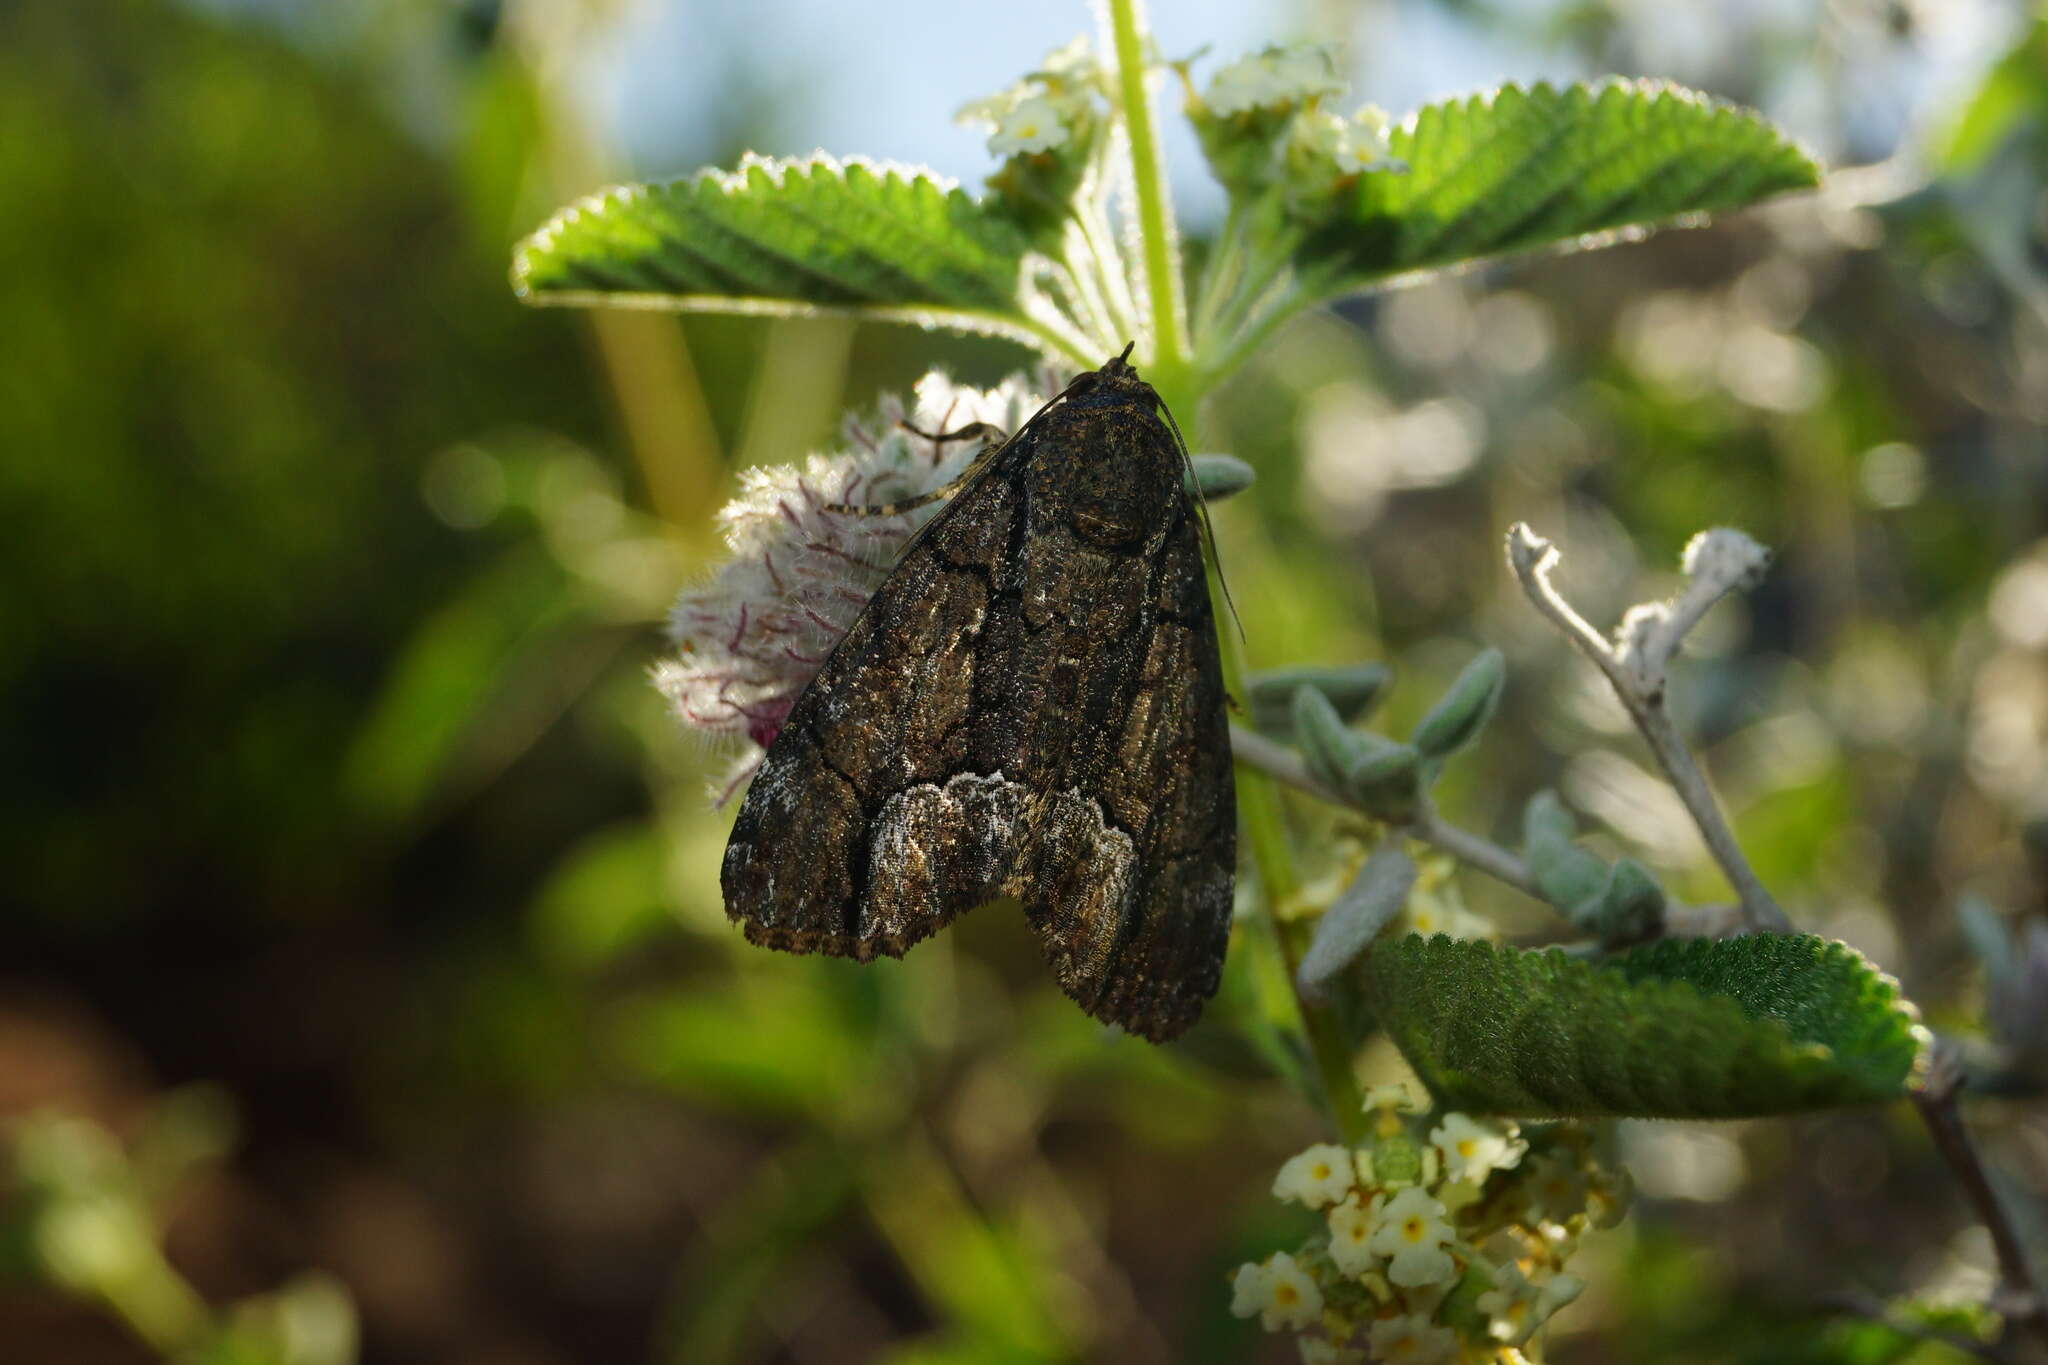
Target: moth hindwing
x=1030, y=706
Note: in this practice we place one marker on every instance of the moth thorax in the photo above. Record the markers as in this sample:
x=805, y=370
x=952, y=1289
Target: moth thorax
x=1116, y=490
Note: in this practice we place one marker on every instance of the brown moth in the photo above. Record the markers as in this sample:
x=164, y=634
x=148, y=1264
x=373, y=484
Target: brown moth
x=1031, y=706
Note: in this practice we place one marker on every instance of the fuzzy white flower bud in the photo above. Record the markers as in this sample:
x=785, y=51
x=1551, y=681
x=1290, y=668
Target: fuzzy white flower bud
x=750, y=640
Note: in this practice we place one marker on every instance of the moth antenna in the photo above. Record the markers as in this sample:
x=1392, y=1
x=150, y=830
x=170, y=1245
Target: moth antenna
x=1187, y=464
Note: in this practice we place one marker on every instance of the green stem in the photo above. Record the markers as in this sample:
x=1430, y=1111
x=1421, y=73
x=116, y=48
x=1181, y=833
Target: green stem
x=1247, y=336
x=1169, y=372
x=1172, y=375
x=1219, y=277
x=1258, y=807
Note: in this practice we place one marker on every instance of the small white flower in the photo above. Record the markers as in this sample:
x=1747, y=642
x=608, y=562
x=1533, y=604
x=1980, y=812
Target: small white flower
x=1317, y=1351
x=1473, y=1149
x=1510, y=1306
x=1279, y=1291
x=1365, y=142
x=1554, y=1186
x=1609, y=1194
x=1436, y=909
x=1517, y=1305
x=1351, y=1228
x=1032, y=125
x=1277, y=78
x=1410, y=1228
x=1413, y=1341
x=1072, y=65
x=1350, y=146
x=1319, y=1176
x=1250, y=1287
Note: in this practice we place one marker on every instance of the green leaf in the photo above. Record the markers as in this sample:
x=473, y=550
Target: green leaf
x=435, y=705
x=1357, y=916
x=1353, y=689
x=1216, y=477
x=788, y=237
x=2011, y=100
x=1326, y=746
x=1683, y=1028
x=1516, y=169
x=1463, y=710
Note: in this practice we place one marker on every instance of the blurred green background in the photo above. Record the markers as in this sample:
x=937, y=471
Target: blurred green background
x=331, y=781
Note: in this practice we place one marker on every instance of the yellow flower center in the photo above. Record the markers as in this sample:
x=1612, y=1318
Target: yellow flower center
x=1319, y=1171
x=1466, y=1146
x=1286, y=1295
x=1413, y=1229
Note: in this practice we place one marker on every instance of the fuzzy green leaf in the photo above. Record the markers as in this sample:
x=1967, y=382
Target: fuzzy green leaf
x=1353, y=689
x=1463, y=710
x=1516, y=169
x=788, y=237
x=1683, y=1028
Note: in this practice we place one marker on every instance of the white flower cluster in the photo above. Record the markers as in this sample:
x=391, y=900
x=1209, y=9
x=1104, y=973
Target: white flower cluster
x=1044, y=112
x=1281, y=78
x=1262, y=124
x=1409, y=1223
x=749, y=641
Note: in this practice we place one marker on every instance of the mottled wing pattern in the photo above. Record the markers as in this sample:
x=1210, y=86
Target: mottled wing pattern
x=1032, y=707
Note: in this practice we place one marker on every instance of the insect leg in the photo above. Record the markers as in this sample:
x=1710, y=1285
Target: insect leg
x=993, y=438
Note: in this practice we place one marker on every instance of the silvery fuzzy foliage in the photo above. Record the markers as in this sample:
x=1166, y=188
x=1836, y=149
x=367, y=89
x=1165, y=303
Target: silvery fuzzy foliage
x=749, y=640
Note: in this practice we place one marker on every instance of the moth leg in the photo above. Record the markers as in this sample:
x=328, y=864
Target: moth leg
x=993, y=438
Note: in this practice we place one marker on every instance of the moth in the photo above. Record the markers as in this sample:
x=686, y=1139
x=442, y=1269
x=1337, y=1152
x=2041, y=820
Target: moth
x=1031, y=706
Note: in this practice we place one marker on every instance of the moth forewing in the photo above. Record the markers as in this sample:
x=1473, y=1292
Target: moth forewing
x=1030, y=706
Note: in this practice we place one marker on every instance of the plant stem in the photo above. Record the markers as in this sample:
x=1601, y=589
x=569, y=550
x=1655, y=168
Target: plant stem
x=1219, y=275
x=1259, y=808
x=2017, y=1298
x=1156, y=233
x=1171, y=374
x=1532, y=557
x=1254, y=750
